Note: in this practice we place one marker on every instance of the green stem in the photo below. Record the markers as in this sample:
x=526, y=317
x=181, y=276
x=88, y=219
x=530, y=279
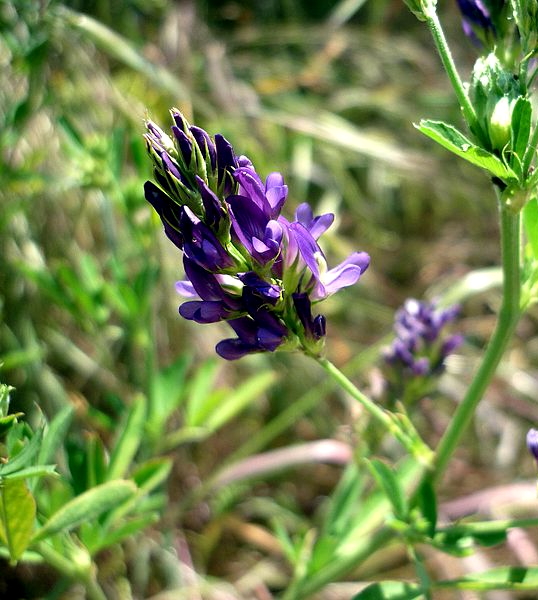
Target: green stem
x=397, y=425
x=432, y=20
x=339, y=567
x=375, y=411
x=506, y=322
x=379, y=414
x=69, y=568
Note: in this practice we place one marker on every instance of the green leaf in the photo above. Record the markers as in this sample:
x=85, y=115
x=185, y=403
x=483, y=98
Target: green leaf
x=200, y=391
x=17, y=516
x=499, y=578
x=129, y=440
x=4, y=399
x=490, y=538
x=238, y=399
x=6, y=423
x=87, y=506
x=34, y=471
x=130, y=527
x=388, y=481
x=24, y=457
x=390, y=590
x=521, y=126
x=344, y=501
x=152, y=473
x=167, y=391
x=428, y=505
x=55, y=434
x=454, y=141
x=530, y=222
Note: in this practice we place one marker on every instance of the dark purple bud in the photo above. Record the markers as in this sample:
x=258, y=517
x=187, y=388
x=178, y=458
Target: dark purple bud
x=170, y=166
x=451, y=344
x=532, y=442
x=214, y=212
x=206, y=284
x=475, y=12
x=262, y=334
x=204, y=311
x=184, y=144
x=226, y=164
x=206, y=146
x=254, y=284
x=484, y=20
x=168, y=211
x=200, y=244
x=314, y=327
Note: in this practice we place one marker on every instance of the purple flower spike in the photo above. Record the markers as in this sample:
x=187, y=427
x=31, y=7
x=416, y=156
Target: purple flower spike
x=420, y=350
x=244, y=262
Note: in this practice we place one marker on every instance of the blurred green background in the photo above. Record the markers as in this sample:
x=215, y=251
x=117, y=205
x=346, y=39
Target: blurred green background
x=326, y=93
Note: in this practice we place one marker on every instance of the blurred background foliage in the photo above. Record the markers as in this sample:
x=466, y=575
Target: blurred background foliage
x=324, y=92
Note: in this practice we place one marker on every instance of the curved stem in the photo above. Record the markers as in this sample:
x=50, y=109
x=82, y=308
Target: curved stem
x=375, y=411
x=507, y=320
x=397, y=424
x=432, y=20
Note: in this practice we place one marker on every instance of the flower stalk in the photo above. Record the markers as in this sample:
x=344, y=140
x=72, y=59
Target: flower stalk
x=396, y=424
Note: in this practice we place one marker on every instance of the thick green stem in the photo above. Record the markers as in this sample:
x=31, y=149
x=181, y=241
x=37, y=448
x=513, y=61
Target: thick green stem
x=507, y=320
x=432, y=20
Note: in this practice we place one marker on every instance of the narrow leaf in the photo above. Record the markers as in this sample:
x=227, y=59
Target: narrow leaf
x=238, y=399
x=521, y=126
x=129, y=440
x=454, y=141
x=34, y=471
x=25, y=456
x=152, y=473
x=428, y=504
x=499, y=578
x=55, y=434
x=87, y=506
x=200, y=390
x=125, y=530
x=17, y=516
x=388, y=481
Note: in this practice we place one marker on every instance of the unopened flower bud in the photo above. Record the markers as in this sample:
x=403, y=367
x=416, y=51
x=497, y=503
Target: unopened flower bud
x=500, y=123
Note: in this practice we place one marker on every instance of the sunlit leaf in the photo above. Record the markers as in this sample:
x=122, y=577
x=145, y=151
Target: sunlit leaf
x=454, y=141
x=17, y=516
x=87, y=506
